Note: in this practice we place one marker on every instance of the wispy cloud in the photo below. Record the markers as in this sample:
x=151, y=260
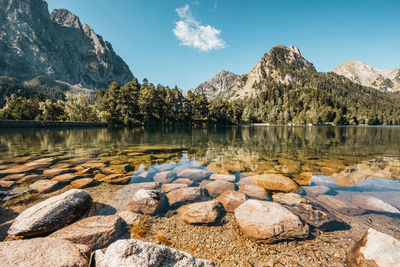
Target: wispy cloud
x=191, y=33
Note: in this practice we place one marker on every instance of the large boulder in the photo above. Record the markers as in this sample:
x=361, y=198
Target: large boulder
x=148, y=202
x=275, y=182
x=51, y=214
x=231, y=200
x=185, y=195
x=216, y=188
x=43, y=252
x=136, y=253
x=95, y=232
x=340, y=204
x=195, y=174
x=202, y=213
x=269, y=221
x=375, y=249
x=373, y=204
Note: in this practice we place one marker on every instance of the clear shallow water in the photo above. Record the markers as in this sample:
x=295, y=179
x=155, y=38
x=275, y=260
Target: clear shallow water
x=345, y=159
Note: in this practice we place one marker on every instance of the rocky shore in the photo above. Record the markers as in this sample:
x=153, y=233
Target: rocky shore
x=75, y=212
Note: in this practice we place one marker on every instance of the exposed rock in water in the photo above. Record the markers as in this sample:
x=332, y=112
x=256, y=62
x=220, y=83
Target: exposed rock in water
x=165, y=177
x=51, y=214
x=375, y=249
x=224, y=177
x=275, y=182
x=253, y=191
x=82, y=183
x=231, y=200
x=57, y=46
x=269, y=221
x=45, y=186
x=202, y=212
x=148, y=202
x=47, y=251
x=95, y=232
x=136, y=253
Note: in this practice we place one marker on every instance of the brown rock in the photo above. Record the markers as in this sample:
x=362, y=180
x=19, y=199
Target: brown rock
x=6, y=184
x=109, y=178
x=185, y=195
x=13, y=177
x=195, y=174
x=45, y=186
x=148, y=202
x=201, y=213
x=231, y=200
x=61, y=166
x=95, y=232
x=289, y=198
x=340, y=204
x=82, y=183
x=183, y=181
x=98, y=165
x=253, y=191
x=17, y=169
x=217, y=187
x=129, y=217
x=41, y=163
x=55, y=172
x=65, y=178
x=165, y=188
x=304, y=178
x=122, y=180
x=245, y=181
x=204, y=183
x=47, y=251
x=375, y=249
x=275, y=182
x=269, y=221
x=224, y=177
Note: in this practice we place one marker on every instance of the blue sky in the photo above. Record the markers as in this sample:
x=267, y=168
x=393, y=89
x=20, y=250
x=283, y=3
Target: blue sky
x=184, y=43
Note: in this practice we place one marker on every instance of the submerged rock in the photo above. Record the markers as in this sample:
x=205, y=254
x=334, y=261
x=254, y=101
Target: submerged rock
x=269, y=221
x=195, y=174
x=289, y=198
x=202, y=213
x=185, y=195
x=231, y=200
x=374, y=204
x=95, y=232
x=340, y=204
x=375, y=249
x=223, y=177
x=82, y=183
x=216, y=188
x=136, y=253
x=54, y=172
x=253, y=191
x=51, y=214
x=275, y=182
x=183, y=181
x=51, y=252
x=165, y=177
x=148, y=202
x=316, y=190
x=6, y=184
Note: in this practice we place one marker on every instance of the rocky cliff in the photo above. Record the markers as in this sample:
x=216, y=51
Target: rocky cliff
x=219, y=84
x=361, y=73
x=35, y=43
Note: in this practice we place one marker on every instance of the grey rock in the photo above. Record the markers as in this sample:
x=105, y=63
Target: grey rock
x=221, y=82
x=57, y=46
x=51, y=214
x=374, y=204
x=43, y=252
x=195, y=174
x=136, y=253
x=148, y=202
x=165, y=177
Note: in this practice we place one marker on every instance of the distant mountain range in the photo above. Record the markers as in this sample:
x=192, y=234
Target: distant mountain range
x=284, y=65
x=55, y=49
x=359, y=72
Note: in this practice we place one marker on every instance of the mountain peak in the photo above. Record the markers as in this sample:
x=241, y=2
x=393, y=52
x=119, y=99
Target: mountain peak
x=65, y=18
x=366, y=75
x=224, y=80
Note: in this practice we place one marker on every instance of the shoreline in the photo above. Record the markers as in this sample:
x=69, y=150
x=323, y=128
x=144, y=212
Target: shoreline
x=10, y=124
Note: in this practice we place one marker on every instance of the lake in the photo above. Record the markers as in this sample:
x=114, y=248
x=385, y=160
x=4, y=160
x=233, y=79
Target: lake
x=358, y=165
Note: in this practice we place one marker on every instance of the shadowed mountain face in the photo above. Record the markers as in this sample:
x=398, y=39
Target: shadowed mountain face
x=35, y=43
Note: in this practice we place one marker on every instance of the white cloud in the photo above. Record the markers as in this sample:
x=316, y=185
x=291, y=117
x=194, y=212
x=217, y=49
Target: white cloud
x=191, y=33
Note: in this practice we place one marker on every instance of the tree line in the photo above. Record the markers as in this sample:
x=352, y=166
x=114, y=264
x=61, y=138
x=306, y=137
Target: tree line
x=315, y=98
